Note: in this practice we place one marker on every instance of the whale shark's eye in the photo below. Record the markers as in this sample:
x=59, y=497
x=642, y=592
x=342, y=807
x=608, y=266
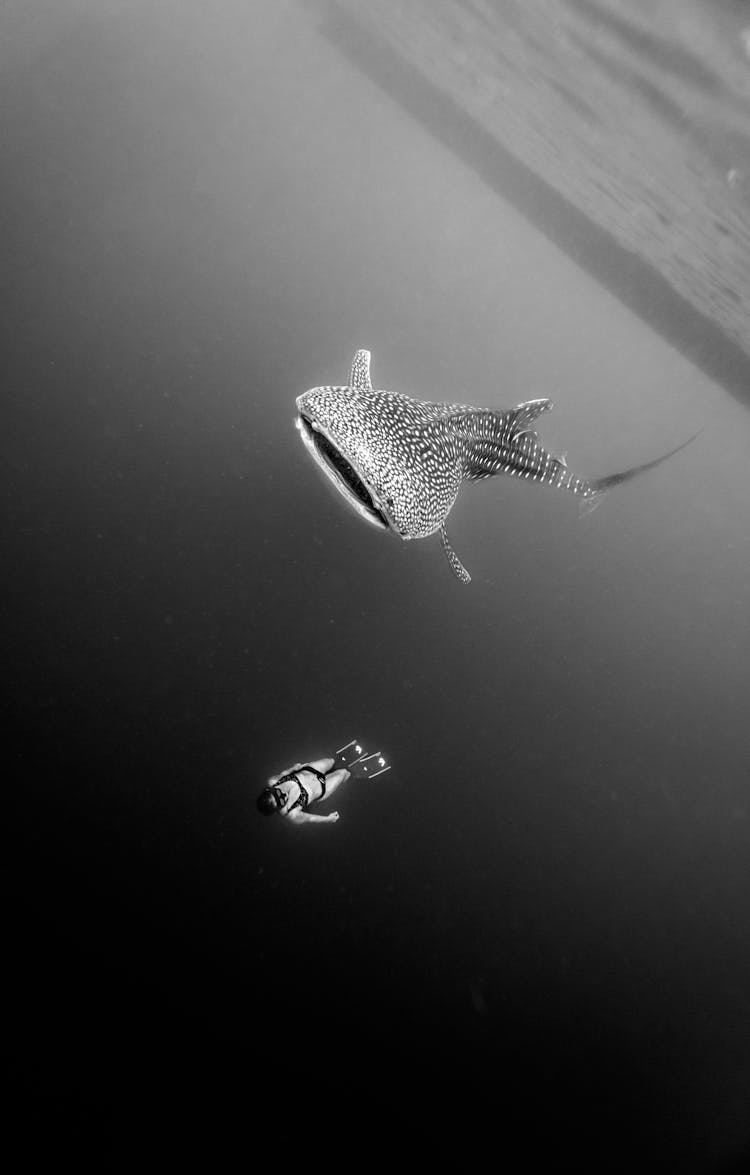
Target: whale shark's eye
x=389, y=500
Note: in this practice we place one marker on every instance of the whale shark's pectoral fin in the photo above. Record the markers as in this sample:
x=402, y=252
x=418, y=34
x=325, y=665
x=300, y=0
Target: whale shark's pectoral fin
x=359, y=380
x=457, y=566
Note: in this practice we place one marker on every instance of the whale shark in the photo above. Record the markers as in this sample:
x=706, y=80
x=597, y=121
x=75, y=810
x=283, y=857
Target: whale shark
x=400, y=462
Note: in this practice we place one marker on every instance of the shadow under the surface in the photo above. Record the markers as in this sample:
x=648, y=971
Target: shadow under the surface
x=636, y=284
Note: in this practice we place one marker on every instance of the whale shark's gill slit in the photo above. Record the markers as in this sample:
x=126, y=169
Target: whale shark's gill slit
x=348, y=474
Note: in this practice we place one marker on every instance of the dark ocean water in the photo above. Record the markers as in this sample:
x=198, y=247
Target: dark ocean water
x=533, y=932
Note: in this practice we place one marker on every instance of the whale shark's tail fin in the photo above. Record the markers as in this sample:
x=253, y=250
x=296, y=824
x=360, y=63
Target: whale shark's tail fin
x=594, y=490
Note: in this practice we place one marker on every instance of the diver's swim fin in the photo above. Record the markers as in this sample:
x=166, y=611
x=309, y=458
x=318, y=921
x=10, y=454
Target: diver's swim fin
x=361, y=765
x=349, y=754
x=370, y=767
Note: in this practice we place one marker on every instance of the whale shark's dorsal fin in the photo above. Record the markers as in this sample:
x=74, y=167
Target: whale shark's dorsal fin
x=359, y=380
x=457, y=566
x=502, y=423
x=518, y=419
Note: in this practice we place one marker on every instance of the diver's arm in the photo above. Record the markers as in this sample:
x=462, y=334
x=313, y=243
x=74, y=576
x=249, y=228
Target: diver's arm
x=287, y=771
x=300, y=817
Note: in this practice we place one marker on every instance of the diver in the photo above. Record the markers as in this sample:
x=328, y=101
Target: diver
x=293, y=791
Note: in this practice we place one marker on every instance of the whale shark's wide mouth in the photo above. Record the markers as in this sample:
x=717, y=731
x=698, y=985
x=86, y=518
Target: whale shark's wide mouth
x=340, y=470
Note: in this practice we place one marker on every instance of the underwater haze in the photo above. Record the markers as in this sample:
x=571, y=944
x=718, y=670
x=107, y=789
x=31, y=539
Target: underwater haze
x=527, y=943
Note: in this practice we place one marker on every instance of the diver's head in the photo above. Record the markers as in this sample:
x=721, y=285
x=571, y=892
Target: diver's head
x=268, y=801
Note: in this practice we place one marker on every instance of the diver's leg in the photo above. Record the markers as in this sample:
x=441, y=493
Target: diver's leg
x=321, y=765
x=334, y=780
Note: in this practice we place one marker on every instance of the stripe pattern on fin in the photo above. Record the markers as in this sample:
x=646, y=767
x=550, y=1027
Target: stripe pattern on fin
x=503, y=442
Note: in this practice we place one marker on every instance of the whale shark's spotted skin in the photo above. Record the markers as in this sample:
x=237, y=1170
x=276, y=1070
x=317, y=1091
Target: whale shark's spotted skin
x=400, y=462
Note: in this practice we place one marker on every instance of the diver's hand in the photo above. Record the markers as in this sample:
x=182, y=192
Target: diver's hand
x=297, y=816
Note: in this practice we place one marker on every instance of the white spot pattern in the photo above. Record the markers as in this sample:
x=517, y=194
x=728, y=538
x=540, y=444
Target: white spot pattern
x=413, y=455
